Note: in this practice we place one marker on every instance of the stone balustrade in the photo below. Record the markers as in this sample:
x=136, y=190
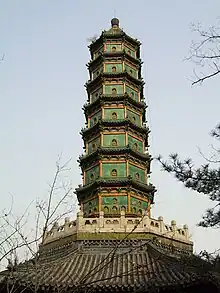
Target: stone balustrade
x=61, y=231
x=120, y=224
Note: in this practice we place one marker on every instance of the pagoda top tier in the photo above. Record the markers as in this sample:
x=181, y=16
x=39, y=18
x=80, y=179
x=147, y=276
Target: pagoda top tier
x=114, y=32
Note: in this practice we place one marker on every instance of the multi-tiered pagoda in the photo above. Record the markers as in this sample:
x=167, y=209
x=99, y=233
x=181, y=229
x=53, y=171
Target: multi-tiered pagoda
x=114, y=245
x=116, y=164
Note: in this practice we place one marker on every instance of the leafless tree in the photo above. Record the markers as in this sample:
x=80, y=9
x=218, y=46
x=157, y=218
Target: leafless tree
x=15, y=241
x=205, y=52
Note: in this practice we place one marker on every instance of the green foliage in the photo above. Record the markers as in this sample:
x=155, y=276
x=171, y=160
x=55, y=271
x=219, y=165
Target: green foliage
x=204, y=179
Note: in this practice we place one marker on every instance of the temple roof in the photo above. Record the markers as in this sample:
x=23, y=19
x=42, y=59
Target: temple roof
x=109, y=267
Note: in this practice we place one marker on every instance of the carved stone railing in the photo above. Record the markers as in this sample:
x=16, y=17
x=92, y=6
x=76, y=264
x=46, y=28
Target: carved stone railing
x=61, y=231
x=120, y=224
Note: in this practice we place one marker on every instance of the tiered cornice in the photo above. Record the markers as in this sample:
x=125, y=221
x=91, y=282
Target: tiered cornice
x=119, y=125
x=108, y=76
x=120, y=152
x=120, y=99
x=118, y=55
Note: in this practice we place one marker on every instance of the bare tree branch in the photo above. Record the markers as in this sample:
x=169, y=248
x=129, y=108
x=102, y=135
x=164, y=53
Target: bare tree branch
x=205, y=52
x=13, y=231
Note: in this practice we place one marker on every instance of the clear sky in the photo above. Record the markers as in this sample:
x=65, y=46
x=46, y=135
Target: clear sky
x=42, y=92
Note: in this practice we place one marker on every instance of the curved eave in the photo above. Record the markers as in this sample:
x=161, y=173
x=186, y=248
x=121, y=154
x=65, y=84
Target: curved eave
x=90, y=84
x=95, y=45
x=123, y=54
x=106, y=55
x=111, y=98
x=105, y=123
x=95, y=62
x=108, y=182
x=123, y=35
x=120, y=34
x=114, y=151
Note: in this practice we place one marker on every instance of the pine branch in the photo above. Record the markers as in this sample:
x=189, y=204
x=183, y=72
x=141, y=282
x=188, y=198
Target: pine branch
x=204, y=180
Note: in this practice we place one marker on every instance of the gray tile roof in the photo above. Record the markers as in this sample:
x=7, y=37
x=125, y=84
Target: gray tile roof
x=96, y=265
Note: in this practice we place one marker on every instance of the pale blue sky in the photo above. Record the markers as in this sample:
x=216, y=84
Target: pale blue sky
x=42, y=91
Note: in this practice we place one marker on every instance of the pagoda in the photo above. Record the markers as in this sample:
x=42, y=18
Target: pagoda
x=116, y=163
x=114, y=244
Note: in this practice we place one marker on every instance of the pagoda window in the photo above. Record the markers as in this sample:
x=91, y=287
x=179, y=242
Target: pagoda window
x=114, y=91
x=106, y=209
x=134, y=209
x=90, y=211
x=96, y=95
x=123, y=208
x=92, y=176
x=114, y=142
x=95, y=210
x=114, y=116
x=129, y=52
x=140, y=212
x=113, y=49
x=131, y=72
x=135, y=146
x=134, y=119
x=114, y=172
x=114, y=209
x=115, y=201
x=131, y=94
x=137, y=176
x=97, y=73
x=113, y=69
x=95, y=120
x=93, y=146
